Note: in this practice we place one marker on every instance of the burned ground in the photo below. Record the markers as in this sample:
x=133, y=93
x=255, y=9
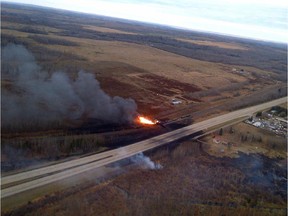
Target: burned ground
x=249, y=184
x=151, y=64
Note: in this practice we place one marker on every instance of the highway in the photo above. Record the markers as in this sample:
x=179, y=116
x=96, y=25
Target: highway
x=20, y=182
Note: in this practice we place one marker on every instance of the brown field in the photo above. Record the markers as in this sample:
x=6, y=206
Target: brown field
x=246, y=139
x=122, y=64
x=211, y=74
x=103, y=29
x=216, y=44
x=191, y=182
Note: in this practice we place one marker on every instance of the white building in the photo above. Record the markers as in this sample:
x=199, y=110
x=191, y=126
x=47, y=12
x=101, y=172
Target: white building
x=176, y=101
x=257, y=124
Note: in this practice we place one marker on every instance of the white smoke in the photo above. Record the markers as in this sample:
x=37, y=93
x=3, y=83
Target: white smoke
x=145, y=162
x=30, y=94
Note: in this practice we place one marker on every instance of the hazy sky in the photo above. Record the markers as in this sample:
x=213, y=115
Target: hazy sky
x=259, y=19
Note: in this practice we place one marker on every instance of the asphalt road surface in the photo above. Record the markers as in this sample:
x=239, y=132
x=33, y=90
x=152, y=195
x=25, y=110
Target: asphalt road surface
x=16, y=183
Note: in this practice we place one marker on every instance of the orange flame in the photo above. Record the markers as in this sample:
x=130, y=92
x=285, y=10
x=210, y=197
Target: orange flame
x=144, y=120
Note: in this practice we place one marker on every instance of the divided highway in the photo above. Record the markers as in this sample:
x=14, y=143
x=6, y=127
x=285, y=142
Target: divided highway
x=20, y=182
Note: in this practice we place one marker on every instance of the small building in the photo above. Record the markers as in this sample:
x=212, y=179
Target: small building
x=176, y=101
x=257, y=124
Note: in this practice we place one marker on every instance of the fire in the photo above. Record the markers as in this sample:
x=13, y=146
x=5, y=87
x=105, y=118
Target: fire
x=144, y=120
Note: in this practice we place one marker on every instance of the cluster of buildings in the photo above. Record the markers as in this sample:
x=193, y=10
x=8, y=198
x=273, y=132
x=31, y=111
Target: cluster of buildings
x=270, y=121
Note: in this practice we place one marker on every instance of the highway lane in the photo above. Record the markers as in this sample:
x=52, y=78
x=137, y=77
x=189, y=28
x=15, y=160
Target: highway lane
x=35, y=178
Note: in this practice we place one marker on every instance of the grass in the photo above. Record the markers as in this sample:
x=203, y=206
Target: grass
x=191, y=182
x=247, y=139
x=103, y=29
x=216, y=44
x=130, y=60
x=226, y=124
x=18, y=153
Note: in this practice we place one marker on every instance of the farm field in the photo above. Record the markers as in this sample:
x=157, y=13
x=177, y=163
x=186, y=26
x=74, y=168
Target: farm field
x=54, y=71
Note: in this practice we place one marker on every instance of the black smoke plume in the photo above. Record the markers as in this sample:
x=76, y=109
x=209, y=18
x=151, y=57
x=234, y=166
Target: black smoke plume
x=31, y=95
